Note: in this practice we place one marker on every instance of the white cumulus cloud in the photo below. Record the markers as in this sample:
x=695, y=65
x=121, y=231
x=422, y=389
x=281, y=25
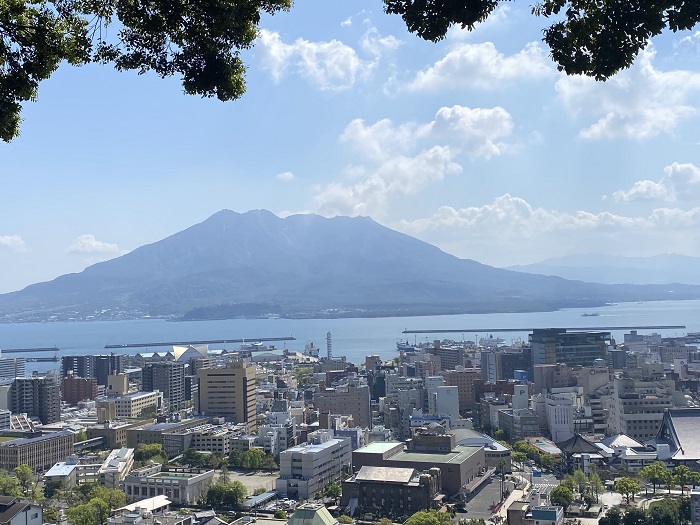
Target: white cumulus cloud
x=679, y=182
x=497, y=232
x=329, y=66
x=639, y=103
x=482, y=66
x=400, y=159
x=87, y=244
x=12, y=242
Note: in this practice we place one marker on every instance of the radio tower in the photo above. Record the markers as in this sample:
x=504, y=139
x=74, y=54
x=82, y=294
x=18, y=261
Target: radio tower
x=329, y=345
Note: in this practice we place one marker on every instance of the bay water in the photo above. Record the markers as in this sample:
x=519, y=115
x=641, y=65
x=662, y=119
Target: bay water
x=353, y=338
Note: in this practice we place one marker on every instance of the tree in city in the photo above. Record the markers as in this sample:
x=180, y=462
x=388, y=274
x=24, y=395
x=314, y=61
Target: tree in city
x=252, y=459
x=612, y=517
x=546, y=460
x=580, y=481
x=654, y=473
x=561, y=496
x=94, y=512
x=226, y=494
x=429, y=517
x=635, y=516
x=669, y=480
x=592, y=38
x=628, y=487
x=112, y=497
x=10, y=485
x=25, y=476
x=518, y=457
x=664, y=512
x=383, y=521
x=280, y=514
x=193, y=458
x=81, y=436
x=501, y=435
x=224, y=476
x=334, y=491
x=269, y=463
x=682, y=474
x=145, y=452
x=694, y=478
x=234, y=459
x=344, y=520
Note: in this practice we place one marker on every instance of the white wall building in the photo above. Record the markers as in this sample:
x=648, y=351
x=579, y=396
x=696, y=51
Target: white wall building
x=447, y=402
x=431, y=386
x=560, y=416
x=305, y=470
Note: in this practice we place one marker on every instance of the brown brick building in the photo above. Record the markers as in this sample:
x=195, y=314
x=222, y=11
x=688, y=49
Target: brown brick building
x=76, y=389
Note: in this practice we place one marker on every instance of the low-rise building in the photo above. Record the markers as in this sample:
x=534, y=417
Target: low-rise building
x=116, y=467
x=130, y=406
x=40, y=453
x=183, y=486
x=391, y=491
x=14, y=511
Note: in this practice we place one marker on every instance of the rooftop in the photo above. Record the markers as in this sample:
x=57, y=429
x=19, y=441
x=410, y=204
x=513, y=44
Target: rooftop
x=379, y=447
x=458, y=455
x=385, y=474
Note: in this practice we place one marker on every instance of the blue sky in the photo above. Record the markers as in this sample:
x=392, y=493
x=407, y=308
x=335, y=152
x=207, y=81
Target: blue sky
x=476, y=144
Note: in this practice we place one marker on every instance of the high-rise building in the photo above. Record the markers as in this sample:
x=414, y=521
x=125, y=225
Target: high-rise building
x=229, y=392
x=557, y=345
x=38, y=397
x=169, y=378
x=92, y=366
x=11, y=367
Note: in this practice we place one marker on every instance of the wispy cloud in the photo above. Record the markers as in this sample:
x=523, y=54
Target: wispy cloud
x=285, y=176
x=12, y=242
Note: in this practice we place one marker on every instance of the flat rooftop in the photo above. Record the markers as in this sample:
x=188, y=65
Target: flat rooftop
x=458, y=455
x=378, y=447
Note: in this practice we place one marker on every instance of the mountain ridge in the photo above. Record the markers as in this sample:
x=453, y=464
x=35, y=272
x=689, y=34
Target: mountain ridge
x=310, y=266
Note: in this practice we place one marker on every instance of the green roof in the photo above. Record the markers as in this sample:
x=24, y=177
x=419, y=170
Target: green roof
x=458, y=455
x=312, y=514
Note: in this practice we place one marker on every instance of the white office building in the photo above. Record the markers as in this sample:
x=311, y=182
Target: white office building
x=305, y=470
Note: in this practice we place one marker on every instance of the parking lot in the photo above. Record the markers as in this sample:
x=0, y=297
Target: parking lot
x=254, y=480
x=479, y=506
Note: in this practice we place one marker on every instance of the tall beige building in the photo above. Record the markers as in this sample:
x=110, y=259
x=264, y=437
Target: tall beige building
x=229, y=392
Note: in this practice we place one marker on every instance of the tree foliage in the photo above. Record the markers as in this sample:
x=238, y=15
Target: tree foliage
x=280, y=514
x=655, y=473
x=628, y=487
x=198, y=41
x=561, y=496
x=112, y=497
x=226, y=494
x=9, y=485
x=592, y=38
x=146, y=452
x=345, y=520
x=24, y=476
x=429, y=517
x=93, y=512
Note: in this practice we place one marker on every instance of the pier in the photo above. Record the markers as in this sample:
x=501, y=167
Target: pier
x=27, y=350
x=577, y=328
x=203, y=342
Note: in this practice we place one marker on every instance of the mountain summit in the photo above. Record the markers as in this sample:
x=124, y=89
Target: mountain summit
x=307, y=265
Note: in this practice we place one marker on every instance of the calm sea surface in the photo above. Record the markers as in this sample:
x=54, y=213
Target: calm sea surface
x=353, y=338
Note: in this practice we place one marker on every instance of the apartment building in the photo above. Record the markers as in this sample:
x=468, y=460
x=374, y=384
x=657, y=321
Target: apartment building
x=129, y=406
x=76, y=389
x=167, y=377
x=39, y=397
x=12, y=367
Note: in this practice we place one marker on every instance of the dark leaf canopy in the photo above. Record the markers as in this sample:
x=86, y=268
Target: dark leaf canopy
x=198, y=40
x=590, y=37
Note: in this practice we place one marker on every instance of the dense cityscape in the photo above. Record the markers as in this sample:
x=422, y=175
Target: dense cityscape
x=570, y=425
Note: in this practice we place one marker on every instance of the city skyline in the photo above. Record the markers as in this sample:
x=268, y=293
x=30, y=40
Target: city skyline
x=475, y=144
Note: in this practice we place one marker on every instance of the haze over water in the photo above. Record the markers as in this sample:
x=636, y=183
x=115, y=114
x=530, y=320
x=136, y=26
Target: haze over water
x=353, y=338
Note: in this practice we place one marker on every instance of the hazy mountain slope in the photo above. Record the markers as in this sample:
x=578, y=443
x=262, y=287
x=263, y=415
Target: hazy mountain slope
x=601, y=268
x=306, y=263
